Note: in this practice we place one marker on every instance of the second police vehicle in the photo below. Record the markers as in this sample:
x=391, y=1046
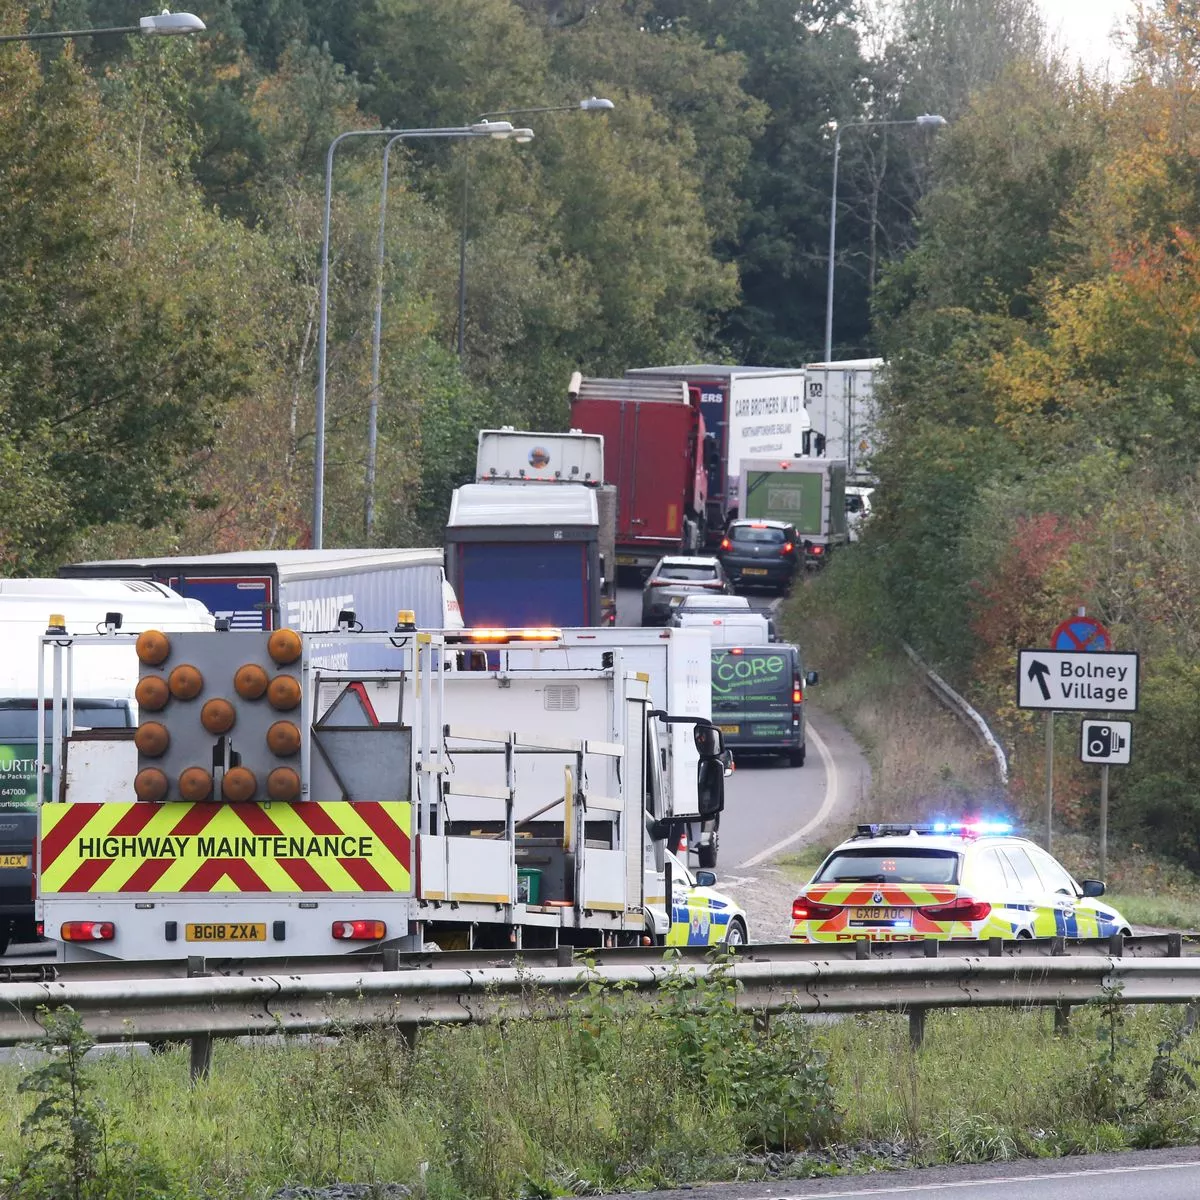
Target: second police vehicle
x=947, y=880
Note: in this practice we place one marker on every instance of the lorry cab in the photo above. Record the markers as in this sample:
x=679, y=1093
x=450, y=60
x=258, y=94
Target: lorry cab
x=758, y=699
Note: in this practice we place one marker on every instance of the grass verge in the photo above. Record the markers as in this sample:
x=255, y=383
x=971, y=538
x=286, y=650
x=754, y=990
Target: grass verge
x=610, y=1097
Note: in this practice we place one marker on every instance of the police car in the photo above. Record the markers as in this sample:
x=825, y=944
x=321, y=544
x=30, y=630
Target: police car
x=961, y=879
x=700, y=915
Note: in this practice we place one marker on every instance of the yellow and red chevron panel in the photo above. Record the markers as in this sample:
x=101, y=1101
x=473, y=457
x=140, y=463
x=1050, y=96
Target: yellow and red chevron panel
x=840, y=912
x=191, y=849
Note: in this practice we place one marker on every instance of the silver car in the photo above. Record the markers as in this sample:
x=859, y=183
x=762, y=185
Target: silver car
x=676, y=577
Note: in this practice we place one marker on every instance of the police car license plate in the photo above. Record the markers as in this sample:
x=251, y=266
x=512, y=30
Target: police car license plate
x=877, y=914
x=226, y=931
x=754, y=570
x=14, y=860
x=730, y=728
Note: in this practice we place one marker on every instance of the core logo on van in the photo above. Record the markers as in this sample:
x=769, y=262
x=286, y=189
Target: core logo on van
x=539, y=457
x=733, y=674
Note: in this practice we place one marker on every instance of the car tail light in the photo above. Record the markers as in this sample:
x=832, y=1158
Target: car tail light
x=359, y=931
x=710, y=584
x=726, y=544
x=788, y=547
x=804, y=909
x=87, y=931
x=662, y=582
x=963, y=908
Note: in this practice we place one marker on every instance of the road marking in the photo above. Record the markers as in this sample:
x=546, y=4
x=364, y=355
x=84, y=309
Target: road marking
x=831, y=793
x=1003, y=1179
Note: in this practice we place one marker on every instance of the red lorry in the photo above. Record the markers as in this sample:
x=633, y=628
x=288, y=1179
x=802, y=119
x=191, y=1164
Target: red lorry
x=655, y=455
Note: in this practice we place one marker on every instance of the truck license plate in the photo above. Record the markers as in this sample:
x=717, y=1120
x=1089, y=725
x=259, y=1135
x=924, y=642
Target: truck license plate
x=14, y=860
x=626, y=560
x=754, y=570
x=226, y=931
x=730, y=728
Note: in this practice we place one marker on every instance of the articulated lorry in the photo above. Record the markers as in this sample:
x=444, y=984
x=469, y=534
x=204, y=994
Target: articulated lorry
x=101, y=697
x=749, y=412
x=841, y=406
x=266, y=807
x=809, y=494
x=523, y=545
x=655, y=452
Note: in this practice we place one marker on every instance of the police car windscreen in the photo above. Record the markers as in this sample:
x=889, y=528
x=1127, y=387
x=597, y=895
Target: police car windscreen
x=18, y=718
x=898, y=865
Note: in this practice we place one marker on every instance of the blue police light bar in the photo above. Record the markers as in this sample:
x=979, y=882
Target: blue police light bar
x=905, y=828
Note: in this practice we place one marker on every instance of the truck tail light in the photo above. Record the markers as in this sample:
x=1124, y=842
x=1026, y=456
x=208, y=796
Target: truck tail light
x=962, y=908
x=359, y=931
x=87, y=931
x=816, y=551
x=726, y=544
x=804, y=909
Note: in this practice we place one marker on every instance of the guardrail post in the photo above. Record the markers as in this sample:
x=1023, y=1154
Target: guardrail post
x=201, y=1053
x=995, y=947
x=931, y=948
x=1116, y=945
x=1174, y=945
x=916, y=1027
x=389, y=959
x=862, y=949
x=563, y=956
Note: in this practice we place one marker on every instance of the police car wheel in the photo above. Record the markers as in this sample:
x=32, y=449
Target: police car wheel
x=735, y=935
x=1024, y=935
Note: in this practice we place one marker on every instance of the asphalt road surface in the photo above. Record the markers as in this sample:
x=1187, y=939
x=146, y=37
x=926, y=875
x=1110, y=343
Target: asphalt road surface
x=1164, y=1174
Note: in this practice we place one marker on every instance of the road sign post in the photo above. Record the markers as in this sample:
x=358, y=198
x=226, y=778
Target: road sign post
x=1105, y=742
x=1080, y=674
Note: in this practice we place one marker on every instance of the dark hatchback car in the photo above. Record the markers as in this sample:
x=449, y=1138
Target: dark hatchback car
x=760, y=554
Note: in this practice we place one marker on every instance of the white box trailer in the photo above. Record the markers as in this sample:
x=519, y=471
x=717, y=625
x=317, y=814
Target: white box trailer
x=523, y=455
x=841, y=407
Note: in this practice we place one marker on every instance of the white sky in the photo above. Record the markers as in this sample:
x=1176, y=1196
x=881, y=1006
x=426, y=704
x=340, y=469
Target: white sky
x=1084, y=26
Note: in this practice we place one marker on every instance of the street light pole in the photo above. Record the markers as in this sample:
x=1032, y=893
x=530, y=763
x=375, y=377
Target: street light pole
x=517, y=135
x=591, y=104
x=496, y=129
x=165, y=24
x=925, y=120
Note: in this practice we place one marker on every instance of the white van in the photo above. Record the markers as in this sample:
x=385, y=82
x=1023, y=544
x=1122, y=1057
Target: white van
x=103, y=682
x=732, y=628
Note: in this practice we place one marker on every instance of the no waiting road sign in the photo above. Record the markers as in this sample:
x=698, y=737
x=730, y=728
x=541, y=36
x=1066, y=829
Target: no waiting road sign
x=1080, y=633
x=1077, y=681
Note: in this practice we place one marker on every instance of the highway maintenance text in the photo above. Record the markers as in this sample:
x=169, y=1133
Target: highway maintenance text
x=342, y=846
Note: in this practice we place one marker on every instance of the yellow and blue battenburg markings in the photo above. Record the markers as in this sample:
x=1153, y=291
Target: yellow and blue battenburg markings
x=698, y=919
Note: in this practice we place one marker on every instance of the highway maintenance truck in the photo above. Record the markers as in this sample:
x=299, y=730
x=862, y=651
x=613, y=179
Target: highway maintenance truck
x=808, y=493
x=749, y=412
x=266, y=807
x=656, y=455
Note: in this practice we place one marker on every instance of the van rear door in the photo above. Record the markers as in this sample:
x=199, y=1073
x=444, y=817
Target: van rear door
x=753, y=696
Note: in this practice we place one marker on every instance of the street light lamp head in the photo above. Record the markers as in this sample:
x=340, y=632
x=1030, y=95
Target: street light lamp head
x=522, y=135
x=496, y=129
x=168, y=22
x=596, y=104
x=932, y=120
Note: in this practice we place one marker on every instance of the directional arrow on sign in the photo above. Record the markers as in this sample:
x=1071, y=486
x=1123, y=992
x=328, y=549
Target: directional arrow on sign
x=1039, y=671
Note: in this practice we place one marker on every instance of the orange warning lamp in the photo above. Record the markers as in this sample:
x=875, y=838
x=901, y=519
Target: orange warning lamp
x=283, y=784
x=152, y=693
x=239, y=785
x=185, y=682
x=284, y=646
x=283, y=739
x=250, y=681
x=218, y=716
x=150, y=785
x=152, y=646
x=195, y=784
x=283, y=693
x=152, y=739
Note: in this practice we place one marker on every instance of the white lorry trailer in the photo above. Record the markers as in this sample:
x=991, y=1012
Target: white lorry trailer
x=266, y=807
x=841, y=406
